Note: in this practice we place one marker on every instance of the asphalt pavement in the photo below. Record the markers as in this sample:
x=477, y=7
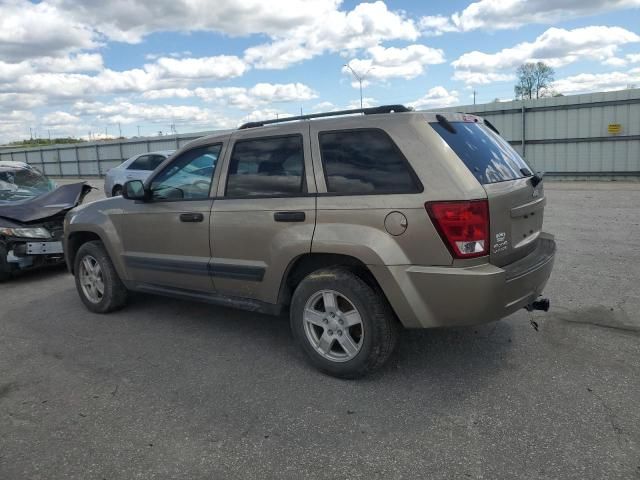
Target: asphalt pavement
x=168, y=389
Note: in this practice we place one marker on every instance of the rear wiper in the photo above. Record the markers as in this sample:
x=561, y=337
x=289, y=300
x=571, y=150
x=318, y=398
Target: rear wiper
x=446, y=124
x=536, y=179
x=490, y=125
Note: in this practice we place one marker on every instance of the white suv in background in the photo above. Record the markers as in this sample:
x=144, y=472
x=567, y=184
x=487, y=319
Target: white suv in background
x=138, y=167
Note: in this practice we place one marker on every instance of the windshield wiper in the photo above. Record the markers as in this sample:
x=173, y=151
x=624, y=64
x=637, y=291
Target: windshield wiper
x=446, y=124
x=490, y=125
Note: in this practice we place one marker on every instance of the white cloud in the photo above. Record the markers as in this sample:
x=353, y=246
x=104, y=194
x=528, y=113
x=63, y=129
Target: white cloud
x=56, y=119
x=31, y=30
x=129, y=113
x=506, y=14
x=129, y=21
x=59, y=81
x=556, y=47
x=436, y=97
x=324, y=107
x=385, y=63
x=14, y=124
x=365, y=26
x=241, y=97
x=20, y=101
x=168, y=93
x=480, y=78
x=597, y=82
x=366, y=103
x=436, y=25
x=220, y=67
x=81, y=62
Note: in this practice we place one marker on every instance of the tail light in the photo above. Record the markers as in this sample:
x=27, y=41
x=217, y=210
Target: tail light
x=463, y=226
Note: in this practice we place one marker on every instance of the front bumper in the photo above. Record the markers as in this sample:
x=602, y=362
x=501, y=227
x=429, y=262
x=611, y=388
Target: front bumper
x=426, y=297
x=22, y=255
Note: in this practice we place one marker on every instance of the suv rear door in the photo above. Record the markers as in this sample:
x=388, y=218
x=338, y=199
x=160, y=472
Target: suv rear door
x=265, y=212
x=515, y=207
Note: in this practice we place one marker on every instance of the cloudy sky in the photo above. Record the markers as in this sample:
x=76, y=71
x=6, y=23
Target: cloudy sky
x=74, y=66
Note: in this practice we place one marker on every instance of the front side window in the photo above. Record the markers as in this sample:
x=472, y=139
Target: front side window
x=363, y=162
x=266, y=167
x=189, y=176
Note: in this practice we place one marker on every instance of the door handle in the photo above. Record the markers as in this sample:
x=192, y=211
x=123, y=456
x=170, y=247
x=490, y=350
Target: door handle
x=191, y=217
x=289, y=216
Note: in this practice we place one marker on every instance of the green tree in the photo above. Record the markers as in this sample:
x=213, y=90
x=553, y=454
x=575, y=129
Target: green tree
x=534, y=79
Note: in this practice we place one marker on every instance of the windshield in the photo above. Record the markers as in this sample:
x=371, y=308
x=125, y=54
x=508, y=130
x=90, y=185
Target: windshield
x=489, y=157
x=18, y=184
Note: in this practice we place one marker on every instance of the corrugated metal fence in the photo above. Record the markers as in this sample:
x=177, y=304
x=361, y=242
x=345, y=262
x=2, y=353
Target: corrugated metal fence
x=93, y=159
x=595, y=134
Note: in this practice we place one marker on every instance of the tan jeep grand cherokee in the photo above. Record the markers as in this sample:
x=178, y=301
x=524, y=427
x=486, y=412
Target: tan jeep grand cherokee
x=356, y=224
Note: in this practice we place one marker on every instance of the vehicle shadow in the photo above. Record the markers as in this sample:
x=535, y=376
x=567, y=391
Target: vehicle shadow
x=456, y=354
x=45, y=272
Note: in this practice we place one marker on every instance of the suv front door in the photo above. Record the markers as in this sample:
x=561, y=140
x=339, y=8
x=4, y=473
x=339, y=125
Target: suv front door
x=166, y=239
x=264, y=214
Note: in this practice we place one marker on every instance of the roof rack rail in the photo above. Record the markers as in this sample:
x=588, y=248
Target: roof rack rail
x=366, y=111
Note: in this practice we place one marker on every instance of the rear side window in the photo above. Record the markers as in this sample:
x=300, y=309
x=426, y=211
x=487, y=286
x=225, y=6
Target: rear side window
x=141, y=163
x=363, y=162
x=489, y=157
x=266, y=167
x=155, y=161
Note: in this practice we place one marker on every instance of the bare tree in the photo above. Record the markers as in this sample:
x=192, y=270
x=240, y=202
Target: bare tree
x=534, y=79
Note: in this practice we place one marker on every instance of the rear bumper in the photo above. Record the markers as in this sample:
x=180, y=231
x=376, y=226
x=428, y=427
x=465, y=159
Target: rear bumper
x=425, y=297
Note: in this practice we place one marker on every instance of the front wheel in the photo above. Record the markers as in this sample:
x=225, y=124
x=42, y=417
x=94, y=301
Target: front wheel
x=5, y=271
x=97, y=281
x=346, y=328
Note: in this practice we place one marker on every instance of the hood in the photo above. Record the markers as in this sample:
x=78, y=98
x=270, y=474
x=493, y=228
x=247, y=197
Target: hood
x=47, y=205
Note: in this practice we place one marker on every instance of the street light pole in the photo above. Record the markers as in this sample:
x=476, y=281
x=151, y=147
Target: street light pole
x=360, y=78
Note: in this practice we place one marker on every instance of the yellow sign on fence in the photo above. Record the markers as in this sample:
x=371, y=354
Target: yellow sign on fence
x=614, y=128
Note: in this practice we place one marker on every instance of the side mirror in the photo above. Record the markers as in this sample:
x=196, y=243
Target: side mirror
x=134, y=190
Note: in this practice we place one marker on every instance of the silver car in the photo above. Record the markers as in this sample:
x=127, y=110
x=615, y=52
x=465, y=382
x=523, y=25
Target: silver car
x=138, y=167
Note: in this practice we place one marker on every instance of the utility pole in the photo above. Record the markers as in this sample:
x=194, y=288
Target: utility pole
x=119, y=130
x=358, y=77
x=474, y=96
x=49, y=135
x=30, y=133
x=138, y=130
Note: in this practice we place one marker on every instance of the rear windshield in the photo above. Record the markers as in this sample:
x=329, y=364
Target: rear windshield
x=489, y=157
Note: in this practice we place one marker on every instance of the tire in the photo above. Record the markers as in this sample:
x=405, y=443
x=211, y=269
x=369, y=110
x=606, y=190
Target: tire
x=117, y=191
x=5, y=271
x=323, y=336
x=114, y=293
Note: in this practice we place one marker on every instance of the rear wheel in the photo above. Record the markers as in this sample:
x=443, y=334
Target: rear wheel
x=345, y=327
x=117, y=191
x=97, y=281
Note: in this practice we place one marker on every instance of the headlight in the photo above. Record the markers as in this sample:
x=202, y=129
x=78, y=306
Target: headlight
x=36, y=232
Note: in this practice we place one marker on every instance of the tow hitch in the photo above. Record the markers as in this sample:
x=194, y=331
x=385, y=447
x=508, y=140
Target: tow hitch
x=542, y=304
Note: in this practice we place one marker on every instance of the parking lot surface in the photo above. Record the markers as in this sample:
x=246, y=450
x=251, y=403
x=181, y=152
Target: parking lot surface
x=172, y=389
